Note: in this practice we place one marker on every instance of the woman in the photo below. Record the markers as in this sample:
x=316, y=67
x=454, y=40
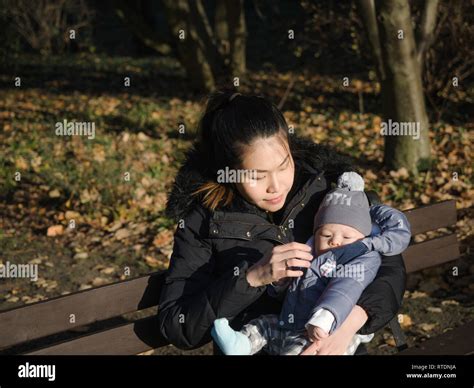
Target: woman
x=234, y=238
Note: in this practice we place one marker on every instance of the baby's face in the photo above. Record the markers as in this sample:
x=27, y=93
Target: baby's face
x=331, y=236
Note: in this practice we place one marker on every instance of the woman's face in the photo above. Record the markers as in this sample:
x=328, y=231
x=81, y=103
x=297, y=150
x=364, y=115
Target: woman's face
x=273, y=173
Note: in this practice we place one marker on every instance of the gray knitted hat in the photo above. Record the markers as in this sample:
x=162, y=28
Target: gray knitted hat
x=347, y=205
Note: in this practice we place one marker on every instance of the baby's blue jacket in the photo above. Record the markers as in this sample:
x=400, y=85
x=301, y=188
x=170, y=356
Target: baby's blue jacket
x=323, y=287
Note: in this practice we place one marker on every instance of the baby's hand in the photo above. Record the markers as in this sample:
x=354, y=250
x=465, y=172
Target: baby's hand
x=315, y=333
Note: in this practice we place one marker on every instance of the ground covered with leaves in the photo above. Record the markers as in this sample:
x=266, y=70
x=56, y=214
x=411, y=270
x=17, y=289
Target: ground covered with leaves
x=90, y=213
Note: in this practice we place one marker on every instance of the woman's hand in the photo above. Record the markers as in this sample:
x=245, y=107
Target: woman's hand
x=338, y=342
x=278, y=265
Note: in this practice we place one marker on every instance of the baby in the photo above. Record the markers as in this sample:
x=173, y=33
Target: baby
x=346, y=248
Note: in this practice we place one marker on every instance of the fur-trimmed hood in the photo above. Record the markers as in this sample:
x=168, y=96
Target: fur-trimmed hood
x=310, y=158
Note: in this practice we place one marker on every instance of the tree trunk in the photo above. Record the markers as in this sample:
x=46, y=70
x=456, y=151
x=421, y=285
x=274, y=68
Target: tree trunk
x=402, y=90
x=207, y=56
x=230, y=31
x=401, y=86
x=192, y=50
x=221, y=30
x=237, y=36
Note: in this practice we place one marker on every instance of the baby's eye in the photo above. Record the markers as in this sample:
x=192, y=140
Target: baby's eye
x=326, y=235
x=348, y=237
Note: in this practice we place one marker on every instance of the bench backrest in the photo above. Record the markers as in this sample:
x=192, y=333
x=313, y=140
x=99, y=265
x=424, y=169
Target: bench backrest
x=41, y=322
x=437, y=250
x=46, y=318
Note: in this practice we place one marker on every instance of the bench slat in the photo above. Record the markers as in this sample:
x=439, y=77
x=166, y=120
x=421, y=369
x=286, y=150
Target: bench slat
x=459, y=341
x=132, y=338
x=431, y=253
x=432, y=217
x=52, y=316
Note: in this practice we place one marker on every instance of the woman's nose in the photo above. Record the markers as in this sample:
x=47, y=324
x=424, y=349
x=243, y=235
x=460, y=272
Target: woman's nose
x=274, y=186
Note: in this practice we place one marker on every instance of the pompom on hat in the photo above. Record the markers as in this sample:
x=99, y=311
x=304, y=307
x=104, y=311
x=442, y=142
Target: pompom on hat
x=347, y=205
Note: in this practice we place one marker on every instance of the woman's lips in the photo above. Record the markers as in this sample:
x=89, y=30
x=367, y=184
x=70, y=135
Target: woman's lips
x=276, y=200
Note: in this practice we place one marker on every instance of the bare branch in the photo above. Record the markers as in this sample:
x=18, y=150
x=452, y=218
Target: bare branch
x=366, y=9
x=287, y=93
x=140, y=27
x=205, y=35
x=426, y=28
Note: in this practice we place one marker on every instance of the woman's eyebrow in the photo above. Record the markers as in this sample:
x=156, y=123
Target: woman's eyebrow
x=281, y=164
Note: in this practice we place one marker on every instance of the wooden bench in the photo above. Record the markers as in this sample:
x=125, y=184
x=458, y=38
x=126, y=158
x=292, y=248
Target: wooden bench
x=99, y=326
x=430, y=253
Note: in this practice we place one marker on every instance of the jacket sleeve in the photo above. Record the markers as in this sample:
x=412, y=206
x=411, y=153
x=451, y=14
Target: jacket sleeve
x=192, y=298
x=382, y=298
x=342, y=292
x=395, y=232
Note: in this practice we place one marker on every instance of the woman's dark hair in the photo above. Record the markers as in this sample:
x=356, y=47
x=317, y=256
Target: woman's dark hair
x=232, y=120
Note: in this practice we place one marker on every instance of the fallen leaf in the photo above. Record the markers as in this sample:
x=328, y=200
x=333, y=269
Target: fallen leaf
x=108, y=270
x=163, y=238
x=55, y=230
x=418, y=294
x=115, y=226
x=424, y=199
x=51, y=285
x=98, y=281
x=450, y=302
x=21, y=163
x=427, y=326
x=390, y=342
x=147, y=353
x=404, y=320
x=72, y=215
x=152, y=262
x=81, y=256
x=54, y=193
x=122, y=234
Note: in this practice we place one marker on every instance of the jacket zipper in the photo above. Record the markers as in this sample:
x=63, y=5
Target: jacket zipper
x=249, y=239
x=288, y=217
x=281, y=227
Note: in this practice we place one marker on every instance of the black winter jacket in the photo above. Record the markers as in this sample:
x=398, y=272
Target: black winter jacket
x=212, y=251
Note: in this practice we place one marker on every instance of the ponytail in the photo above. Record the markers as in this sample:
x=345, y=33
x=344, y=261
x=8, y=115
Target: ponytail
x=215, y=194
